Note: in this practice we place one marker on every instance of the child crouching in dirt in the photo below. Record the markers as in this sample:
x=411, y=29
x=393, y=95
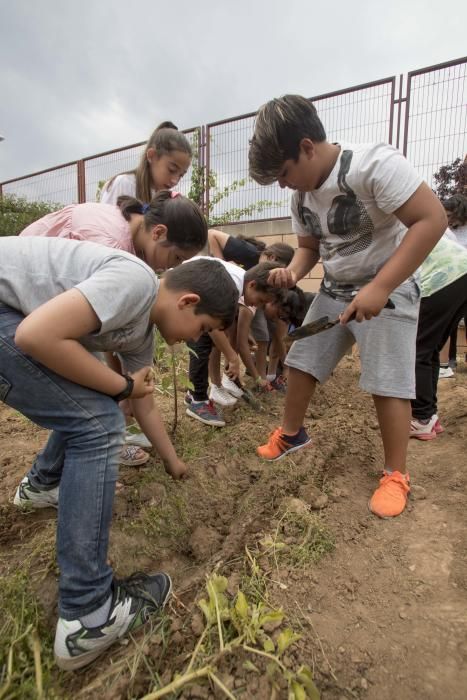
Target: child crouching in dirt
x=60, y=301
x=366, y=212
x=254, y=291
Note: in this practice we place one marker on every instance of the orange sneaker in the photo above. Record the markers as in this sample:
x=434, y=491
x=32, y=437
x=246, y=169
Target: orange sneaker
x=280, y=445
x=390, y=498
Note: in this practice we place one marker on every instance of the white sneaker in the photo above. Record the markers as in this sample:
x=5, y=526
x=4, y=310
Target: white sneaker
x=29, y=496
x=423, y=431
x=221, y=396
x=231, y=387
x=134, y=601
x=445, y=373
x=134, y=436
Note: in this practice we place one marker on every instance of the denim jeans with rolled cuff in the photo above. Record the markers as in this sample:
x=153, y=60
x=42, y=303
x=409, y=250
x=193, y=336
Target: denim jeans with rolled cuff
x=81, y=456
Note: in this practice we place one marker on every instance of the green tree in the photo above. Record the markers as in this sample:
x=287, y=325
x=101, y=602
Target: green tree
x=16, y=213
x=451, y=179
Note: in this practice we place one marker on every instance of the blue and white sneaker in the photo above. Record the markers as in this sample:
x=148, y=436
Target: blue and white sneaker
x=134, y=601
x=28, y=496
x=204, y=411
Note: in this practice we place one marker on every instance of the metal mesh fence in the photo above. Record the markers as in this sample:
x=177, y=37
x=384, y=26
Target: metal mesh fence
x=436, y=117
x=57, y=186
x=363, y=113
x=99, y=169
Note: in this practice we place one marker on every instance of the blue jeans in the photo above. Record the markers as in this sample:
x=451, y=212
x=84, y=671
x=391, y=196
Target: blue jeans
x=81, y=454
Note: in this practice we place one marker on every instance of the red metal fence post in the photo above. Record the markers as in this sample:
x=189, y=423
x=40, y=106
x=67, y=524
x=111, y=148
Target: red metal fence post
x=81, y=181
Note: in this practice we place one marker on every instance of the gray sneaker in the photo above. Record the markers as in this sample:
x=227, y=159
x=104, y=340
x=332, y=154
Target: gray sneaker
x=134, y=601
x=29, y=496
x=206, y=412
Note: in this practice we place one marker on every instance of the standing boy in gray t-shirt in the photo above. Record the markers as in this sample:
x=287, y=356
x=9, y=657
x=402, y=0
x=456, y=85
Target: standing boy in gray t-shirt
x=61, y=301
x=365, y=211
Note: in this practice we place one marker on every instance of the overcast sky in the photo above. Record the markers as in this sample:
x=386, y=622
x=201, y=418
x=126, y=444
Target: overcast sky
x=77, y=78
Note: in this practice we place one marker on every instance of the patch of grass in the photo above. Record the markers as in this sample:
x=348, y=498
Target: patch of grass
x=300, y=539
x=168, y=519
x=191, y=442
x=26, y=646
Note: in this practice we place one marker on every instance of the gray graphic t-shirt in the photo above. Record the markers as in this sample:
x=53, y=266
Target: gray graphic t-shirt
x=351, y=214
x=120, y=288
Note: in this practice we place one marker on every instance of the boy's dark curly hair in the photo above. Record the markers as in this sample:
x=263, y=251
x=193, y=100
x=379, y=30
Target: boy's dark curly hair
x=293, y=305
x=457, y=205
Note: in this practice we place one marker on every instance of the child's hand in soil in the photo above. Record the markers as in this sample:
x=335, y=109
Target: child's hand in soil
x=176, y=468
x=263, y=385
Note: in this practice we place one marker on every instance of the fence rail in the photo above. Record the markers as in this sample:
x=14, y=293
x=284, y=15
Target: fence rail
x=430, y=121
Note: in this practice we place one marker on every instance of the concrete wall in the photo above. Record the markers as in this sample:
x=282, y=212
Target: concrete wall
x=278, y=231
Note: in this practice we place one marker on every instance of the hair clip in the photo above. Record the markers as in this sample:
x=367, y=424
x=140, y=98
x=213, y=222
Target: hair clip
x=145, y=208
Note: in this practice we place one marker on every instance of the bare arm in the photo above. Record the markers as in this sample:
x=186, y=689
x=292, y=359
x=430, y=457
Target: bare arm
x=216, y=242
x=149, y=418
x=425, y=218
x=222, y=343
x=50, y=334
x=305, y=258
x=243, y=330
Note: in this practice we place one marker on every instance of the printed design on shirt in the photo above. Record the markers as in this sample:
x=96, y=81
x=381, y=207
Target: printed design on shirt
x=347, y=217
x=310, y=220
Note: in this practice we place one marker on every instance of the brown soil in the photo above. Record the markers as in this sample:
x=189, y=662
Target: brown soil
x=382, y=616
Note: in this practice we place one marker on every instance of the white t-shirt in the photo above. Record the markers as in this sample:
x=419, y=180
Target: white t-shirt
x=235, y=271
x=120, y=288
x=351, y=214
x=124, y=184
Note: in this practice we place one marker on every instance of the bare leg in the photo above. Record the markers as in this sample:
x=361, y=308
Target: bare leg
x=394, y=421
x=277, y=350
x=261, y=358
x=300, y=389
x=215, y=366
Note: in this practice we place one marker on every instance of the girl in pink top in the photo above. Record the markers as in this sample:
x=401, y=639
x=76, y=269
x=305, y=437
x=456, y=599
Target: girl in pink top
x=164, y=233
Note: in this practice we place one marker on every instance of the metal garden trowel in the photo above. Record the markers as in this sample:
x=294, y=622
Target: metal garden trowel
x=322, y=324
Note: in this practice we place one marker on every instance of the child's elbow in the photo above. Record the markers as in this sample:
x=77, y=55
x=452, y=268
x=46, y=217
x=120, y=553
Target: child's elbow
x=26, y=339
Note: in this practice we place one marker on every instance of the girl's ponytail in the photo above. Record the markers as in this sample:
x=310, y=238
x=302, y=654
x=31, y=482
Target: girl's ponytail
x=129, y=205
x=166, y=125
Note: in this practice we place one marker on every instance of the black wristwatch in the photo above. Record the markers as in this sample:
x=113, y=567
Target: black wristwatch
x=126, y=391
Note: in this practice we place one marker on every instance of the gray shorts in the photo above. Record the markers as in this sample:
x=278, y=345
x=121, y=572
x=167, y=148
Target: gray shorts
x=259, y=327
x=386, y=344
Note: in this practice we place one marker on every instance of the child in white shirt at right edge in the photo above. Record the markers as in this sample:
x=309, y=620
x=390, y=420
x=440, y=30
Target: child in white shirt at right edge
x=363, y=210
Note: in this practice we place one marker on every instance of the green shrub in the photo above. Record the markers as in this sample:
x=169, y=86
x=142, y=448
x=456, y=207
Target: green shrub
x=16, y=213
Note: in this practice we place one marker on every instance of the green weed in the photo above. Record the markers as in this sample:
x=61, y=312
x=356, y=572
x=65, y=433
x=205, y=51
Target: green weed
x=239, y=627
x=26, y=656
